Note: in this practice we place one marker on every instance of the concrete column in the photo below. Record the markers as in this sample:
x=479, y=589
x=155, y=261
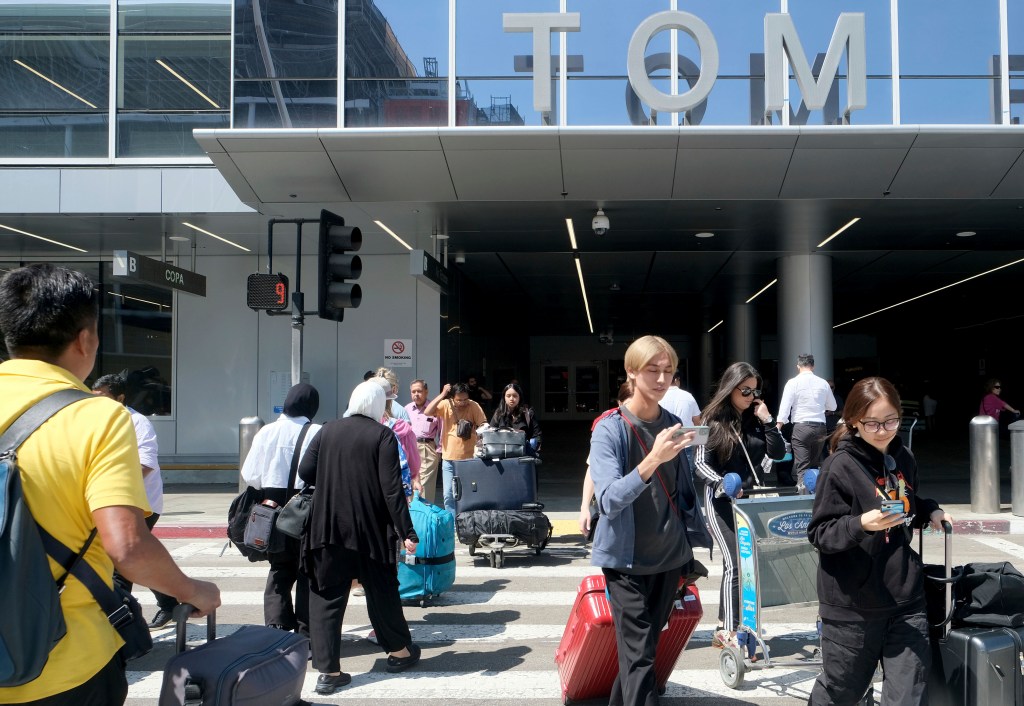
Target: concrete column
x=805, y=313
x=742, y=338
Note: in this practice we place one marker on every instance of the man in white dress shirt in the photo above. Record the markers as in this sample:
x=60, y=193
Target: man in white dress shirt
x=805, y=400
x=682, y=404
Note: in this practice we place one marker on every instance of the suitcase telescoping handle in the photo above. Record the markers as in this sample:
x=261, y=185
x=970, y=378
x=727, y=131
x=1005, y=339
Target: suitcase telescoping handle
x=948, y=579
x=181, y=615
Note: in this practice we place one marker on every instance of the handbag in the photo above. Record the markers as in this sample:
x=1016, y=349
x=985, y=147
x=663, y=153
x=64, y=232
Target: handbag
x=238, y=520
x=293, y=517
x=989, y=594
x=503, y=442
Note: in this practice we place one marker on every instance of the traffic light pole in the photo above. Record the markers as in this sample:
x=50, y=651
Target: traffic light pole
x=298, y=298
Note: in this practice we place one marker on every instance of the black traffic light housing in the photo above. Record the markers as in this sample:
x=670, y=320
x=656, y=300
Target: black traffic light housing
x=338, y=267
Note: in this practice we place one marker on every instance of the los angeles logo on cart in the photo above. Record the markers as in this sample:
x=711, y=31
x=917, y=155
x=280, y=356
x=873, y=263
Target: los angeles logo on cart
x=790, y=525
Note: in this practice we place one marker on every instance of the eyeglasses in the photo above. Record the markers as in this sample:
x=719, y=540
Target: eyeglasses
x=748, y=391
x=874, y=427
x=997, y=387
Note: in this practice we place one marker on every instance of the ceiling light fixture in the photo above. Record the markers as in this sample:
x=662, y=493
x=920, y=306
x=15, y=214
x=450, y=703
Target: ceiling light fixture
x=716, y=325
x=49, y=80
x=704, y=235
x=572, y=233
x=919, y=296
x=762, y=291
x=184, y=80
x=395, y=236
x=838, y=232
x=214, y=235
x=583, y=288
x=965, y=234
x=180, y=238
x=39, y=237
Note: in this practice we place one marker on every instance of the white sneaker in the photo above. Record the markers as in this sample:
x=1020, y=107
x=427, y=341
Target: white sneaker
x=723, y=638
x=359, y=591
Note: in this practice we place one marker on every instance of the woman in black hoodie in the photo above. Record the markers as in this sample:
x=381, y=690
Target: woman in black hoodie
x=870, y=584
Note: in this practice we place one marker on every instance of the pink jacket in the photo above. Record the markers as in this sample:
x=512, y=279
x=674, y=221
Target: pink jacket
x=407, y=438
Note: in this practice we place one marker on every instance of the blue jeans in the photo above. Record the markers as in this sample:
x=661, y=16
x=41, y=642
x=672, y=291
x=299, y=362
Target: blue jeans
x=447, y=483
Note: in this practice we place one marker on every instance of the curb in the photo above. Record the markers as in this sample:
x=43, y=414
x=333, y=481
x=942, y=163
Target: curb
x=191, y=532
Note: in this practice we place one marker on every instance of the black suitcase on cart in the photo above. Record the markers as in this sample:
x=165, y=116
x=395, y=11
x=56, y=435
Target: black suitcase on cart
x=484, y=484
x=971, y=666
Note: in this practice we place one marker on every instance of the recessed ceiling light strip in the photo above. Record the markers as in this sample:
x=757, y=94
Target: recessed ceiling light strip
x=762, y=291
x=838, y=232
x=214, y=235
x=49, y=80
x=39, y=237
x=583, y=288
x=394, y=235
x=934, y=291
x=572, y=233
x=187, y=83
x=716, y=325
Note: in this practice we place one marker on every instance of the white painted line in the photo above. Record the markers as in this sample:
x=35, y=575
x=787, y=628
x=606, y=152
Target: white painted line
x=1002, y=545
x=462, y=572
x=443, y=687
x=191, y=549
x=449, y=598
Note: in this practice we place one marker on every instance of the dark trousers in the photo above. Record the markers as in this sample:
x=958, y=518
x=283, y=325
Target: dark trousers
x=278, y=608
x=107, y=687
x=808, y=441
x=850, y=650
x=327, y=609
x=641, y=605
x=163, y=601
x=723, y=529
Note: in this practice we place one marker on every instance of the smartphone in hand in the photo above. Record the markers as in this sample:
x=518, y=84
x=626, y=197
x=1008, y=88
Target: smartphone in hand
x=699, y=439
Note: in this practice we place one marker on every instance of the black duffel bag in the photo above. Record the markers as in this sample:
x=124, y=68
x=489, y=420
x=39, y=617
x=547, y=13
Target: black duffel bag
x=530, y=527
x=984, y=594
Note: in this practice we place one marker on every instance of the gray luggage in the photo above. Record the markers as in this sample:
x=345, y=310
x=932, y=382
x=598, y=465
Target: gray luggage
x=483, y=484
x=255, y=666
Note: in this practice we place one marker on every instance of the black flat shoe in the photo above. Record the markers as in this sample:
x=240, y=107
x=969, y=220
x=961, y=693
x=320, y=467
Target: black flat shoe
x=161, y=618
x=326, y=684
x=400, y=664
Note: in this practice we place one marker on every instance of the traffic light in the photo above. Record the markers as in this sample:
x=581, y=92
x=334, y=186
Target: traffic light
x=338, y=267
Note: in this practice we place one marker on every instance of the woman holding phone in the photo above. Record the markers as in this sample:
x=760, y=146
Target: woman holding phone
x=742, y=436
x=870, y=581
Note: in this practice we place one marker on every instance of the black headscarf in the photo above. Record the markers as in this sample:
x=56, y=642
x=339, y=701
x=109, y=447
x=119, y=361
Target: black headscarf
x=302, y=401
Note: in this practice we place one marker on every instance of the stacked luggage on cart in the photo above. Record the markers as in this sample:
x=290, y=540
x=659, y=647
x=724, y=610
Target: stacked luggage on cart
x=496, y=504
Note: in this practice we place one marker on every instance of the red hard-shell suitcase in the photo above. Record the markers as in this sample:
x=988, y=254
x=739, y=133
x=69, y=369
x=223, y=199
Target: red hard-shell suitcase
x=587, y=657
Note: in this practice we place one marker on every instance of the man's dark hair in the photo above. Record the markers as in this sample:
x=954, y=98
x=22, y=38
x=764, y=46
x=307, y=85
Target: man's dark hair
x=458, y=389
x=114, y=382
x=369, y=374
x=677, y=376
x=805, y=360
x=43, y=308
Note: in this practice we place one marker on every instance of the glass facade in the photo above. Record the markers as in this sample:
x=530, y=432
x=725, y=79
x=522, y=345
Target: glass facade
x=135, y=336
x=67, y=90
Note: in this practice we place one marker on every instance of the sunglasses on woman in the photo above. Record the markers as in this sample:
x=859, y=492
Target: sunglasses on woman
x=748, y=391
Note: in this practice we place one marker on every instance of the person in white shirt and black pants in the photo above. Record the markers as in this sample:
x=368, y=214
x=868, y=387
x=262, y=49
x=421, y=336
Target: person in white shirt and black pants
x=267, y=466
x=805, y=399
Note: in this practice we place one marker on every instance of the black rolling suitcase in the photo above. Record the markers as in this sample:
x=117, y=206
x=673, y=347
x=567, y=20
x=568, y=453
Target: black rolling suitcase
x=484, y=484
x=255, y=665
x=971, y=666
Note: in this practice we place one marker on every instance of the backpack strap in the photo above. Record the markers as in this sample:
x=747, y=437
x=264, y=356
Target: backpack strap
x=293, y=471
x=34, y=417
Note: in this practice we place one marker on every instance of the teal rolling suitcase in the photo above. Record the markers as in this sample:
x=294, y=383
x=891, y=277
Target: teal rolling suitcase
x=431, y=571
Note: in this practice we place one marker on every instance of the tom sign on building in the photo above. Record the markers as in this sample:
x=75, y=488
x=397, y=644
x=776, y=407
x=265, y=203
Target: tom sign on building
x=781, y=41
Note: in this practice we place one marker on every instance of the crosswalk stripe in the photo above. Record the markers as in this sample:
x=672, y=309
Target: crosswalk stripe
x=780, y=683
x=461, y=572
x=449, y=598
x=504, y=632
x=1002, y=545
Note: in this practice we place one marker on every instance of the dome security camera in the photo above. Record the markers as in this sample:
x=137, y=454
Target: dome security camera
x=600, y=224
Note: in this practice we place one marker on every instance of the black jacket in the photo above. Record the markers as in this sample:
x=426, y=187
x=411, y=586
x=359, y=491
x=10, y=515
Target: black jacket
x=525, y=422
x=359, y=504
x=759, y=441
x=860, y=575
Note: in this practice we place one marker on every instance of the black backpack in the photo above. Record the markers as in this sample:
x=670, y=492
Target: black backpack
x=33, y=621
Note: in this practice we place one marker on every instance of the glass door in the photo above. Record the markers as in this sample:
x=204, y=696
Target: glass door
x=573, y=391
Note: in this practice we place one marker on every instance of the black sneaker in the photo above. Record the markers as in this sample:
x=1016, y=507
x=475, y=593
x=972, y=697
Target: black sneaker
x=161, y=619
x=327, y=684
x=400, y=664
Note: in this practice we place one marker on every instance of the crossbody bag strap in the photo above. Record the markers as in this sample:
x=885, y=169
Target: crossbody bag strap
x=296, y=454
x=750, y=463
x=34, y=417
x=657, y=471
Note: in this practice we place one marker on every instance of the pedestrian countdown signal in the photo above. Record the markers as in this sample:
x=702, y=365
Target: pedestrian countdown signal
x=267, y=292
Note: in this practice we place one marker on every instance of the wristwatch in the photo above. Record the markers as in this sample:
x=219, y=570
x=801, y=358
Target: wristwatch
x=768, y=422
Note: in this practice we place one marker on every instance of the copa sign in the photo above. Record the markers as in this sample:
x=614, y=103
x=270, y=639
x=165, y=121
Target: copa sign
x=780, y=41
x=131, y=265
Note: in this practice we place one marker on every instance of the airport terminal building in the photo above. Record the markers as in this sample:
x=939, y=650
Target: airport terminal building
x=751, y=179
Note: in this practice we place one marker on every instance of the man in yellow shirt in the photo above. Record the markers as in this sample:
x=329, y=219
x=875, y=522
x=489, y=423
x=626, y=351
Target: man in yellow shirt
x=80, y=470
x=454, y=447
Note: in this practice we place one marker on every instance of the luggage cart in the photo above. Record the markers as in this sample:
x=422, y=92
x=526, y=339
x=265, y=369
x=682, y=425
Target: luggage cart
x=777, y=567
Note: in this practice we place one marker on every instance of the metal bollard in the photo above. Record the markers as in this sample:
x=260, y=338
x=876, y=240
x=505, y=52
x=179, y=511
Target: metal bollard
x=247, y=428
x=1017, y=468
x=985, y=465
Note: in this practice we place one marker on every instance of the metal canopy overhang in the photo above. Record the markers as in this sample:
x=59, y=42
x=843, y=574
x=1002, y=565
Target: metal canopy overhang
x=502, y=196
